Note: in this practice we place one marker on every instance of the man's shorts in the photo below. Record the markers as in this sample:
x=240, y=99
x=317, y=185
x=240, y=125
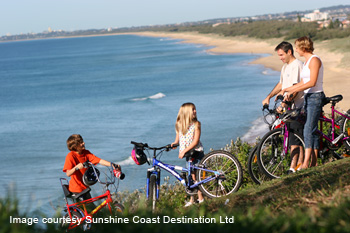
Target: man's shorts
x=297, y=127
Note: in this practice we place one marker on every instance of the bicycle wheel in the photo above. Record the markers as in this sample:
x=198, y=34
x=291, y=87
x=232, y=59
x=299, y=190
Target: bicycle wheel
x=75, y=216
x=253, y=168
x=230, y=174
x=152, y=191
x=271, y=159
x=328, y=150
x=345, y=127
x=118, y=208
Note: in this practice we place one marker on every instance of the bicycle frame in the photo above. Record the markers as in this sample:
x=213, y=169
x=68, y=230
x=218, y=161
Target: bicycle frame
x=285, y=132
x=77, y=205
x=322, y=119
x=157, y=165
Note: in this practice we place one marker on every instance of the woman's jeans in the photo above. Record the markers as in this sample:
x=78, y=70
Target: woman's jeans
x=313, y=106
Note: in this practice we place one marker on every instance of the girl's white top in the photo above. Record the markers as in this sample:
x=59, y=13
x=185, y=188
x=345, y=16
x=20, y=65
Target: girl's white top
x=186, y=139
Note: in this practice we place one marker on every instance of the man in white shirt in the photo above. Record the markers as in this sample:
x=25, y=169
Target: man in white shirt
x=290, y=75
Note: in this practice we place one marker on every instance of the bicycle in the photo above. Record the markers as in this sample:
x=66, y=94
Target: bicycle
x=218, y=174
x=339, y=132
x=273, y=153
x=272, y=119
x=76, y=214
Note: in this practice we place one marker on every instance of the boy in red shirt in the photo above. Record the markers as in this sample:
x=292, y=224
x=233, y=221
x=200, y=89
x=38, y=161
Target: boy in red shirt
x=73, y=166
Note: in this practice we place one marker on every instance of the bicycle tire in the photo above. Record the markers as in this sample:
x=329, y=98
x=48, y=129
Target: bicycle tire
x=345, y=127
x=75, y=215
x=253, y=168
x=118, y=208
x=229, y=167
x=152, y=193
x=270, y=151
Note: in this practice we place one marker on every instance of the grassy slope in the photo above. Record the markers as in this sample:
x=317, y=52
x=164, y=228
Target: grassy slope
x=309, y=188
x=314, y=200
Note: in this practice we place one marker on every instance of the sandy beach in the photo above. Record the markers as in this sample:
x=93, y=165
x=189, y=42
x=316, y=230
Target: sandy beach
x=336, y=78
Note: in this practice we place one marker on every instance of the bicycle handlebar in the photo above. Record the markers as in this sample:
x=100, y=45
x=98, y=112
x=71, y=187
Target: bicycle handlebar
x=88, y=164
x=278, y=98
x=145, y=145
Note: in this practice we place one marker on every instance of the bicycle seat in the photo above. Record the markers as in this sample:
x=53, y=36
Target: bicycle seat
x=77, y=195
x=334, y=99
x=69, y=194
x=189, y=154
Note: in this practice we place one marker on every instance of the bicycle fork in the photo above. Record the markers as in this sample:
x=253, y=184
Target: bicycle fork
x=153, y=172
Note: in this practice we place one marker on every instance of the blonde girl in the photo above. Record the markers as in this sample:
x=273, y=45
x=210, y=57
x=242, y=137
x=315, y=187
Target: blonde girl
x=188, y=132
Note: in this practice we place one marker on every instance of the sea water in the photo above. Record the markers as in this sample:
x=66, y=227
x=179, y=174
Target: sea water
x=112, y=90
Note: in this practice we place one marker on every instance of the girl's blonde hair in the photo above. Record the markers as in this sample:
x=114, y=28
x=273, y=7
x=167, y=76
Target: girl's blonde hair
x=305, y=44
x=185, y=117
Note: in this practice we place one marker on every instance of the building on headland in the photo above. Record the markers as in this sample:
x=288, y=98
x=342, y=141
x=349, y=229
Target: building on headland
x=346, y=23
x=325, y=19
x=227, y=21
x=315, y=16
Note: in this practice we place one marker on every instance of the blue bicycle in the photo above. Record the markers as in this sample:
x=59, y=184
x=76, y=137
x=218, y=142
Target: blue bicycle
x=218, y=174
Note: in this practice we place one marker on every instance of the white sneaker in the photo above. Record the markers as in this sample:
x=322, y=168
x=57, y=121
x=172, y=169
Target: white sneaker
x=200, y=201
x=290, y=171
x=188, y=204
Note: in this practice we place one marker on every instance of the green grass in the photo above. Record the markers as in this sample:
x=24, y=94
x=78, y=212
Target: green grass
x=313, y=200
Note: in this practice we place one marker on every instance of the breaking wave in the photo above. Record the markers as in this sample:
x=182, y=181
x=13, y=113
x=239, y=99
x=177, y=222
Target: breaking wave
x=156, y=96
x=259, y=129
x=127, y=161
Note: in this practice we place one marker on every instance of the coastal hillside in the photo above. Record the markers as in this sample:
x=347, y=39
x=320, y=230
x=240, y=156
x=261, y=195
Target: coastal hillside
x=314, y=200
x=335, y=24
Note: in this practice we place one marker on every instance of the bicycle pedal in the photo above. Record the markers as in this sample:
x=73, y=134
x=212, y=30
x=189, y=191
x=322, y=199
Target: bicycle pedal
x=191, y=192
x=221, y=177
x=337, y=156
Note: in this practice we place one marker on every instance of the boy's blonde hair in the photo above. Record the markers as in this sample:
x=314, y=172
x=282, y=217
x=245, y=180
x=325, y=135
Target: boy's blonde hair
x=73, y=141
x=184, y=118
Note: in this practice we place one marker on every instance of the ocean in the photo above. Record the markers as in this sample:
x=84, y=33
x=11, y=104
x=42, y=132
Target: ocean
x=113, y=90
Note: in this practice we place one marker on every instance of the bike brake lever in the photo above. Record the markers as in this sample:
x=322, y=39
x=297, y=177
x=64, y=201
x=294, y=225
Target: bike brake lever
x=280, y=97
x=169, y=147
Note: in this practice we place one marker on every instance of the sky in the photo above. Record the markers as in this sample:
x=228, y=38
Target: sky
x=34, y=16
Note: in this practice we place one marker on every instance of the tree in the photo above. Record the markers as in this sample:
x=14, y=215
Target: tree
x=331, y=24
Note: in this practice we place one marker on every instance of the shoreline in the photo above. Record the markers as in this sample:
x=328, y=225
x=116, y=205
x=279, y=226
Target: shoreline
x=336, y=75
x=336, y=78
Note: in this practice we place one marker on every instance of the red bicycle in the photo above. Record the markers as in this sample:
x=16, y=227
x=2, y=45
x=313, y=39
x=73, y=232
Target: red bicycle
x=76, y=214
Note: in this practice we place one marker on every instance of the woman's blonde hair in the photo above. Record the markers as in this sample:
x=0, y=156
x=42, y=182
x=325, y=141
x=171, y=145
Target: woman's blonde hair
x=305, y=44
x=185, y=117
